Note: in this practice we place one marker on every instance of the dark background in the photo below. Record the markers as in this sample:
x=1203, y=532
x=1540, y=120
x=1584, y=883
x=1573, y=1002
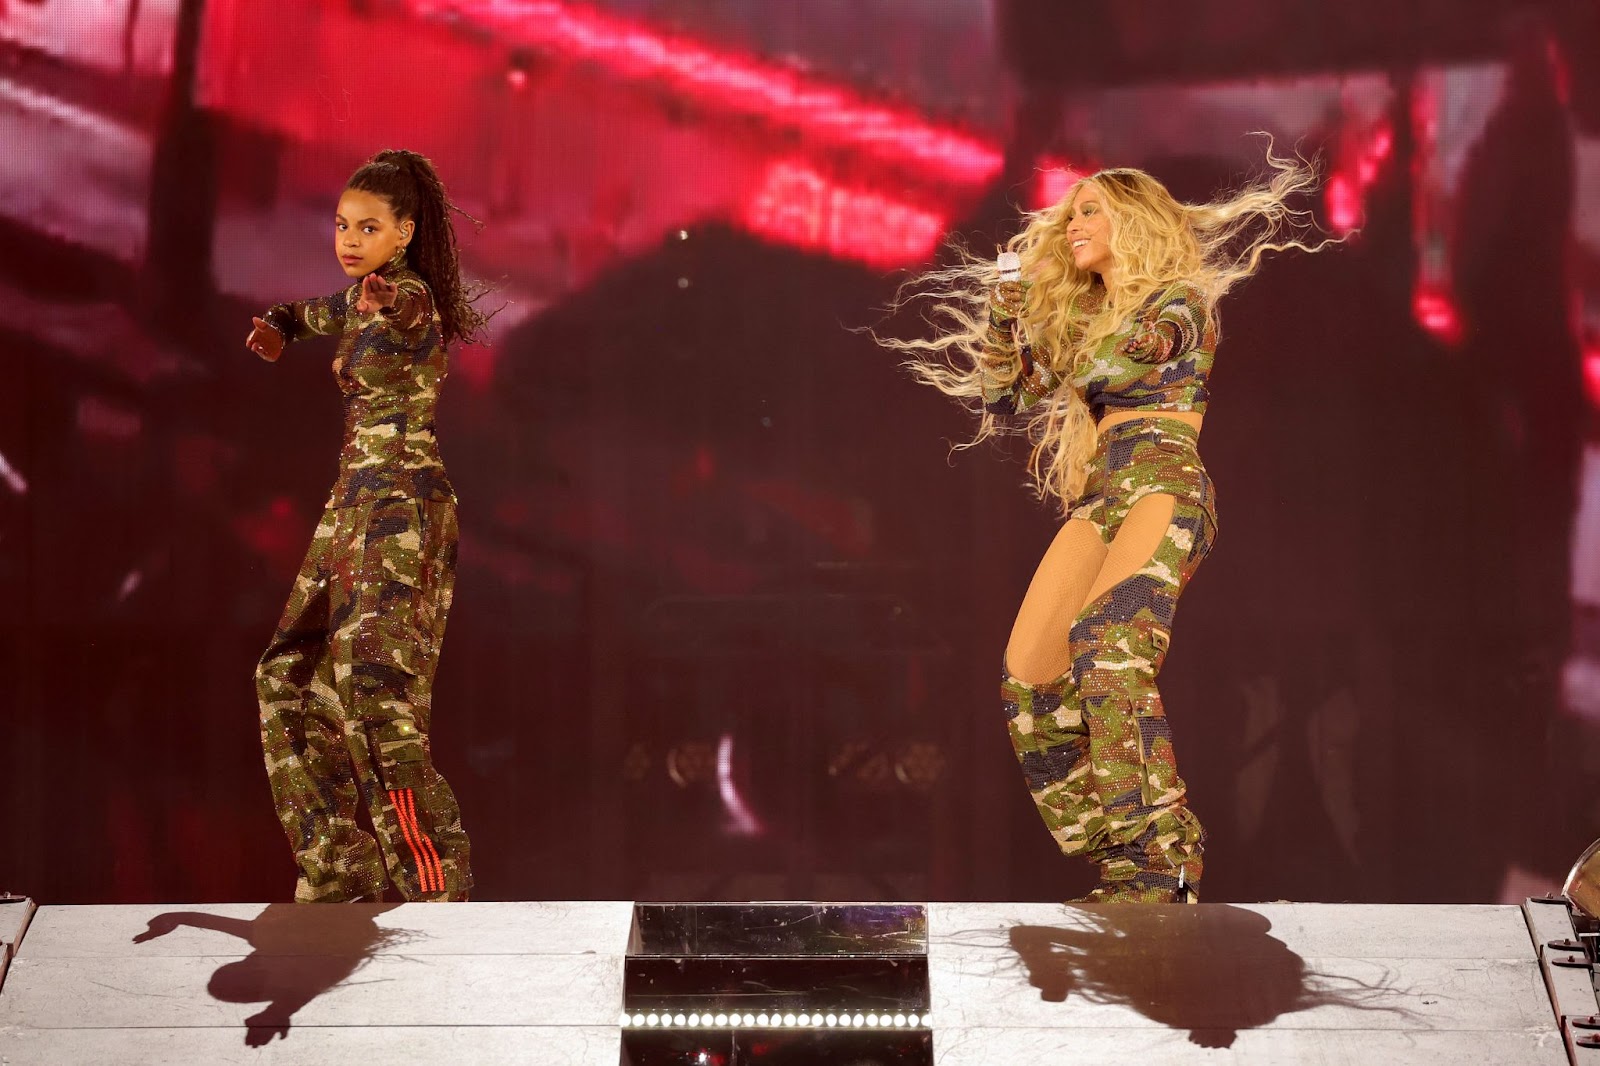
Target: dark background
x=729, y=615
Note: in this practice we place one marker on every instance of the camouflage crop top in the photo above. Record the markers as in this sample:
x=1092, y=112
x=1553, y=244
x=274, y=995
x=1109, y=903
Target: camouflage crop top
x=1159, y=361
x=390, y=366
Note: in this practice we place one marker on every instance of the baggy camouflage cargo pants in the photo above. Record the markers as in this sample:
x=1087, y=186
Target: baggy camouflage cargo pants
x=1095, y=745
x=345, y=690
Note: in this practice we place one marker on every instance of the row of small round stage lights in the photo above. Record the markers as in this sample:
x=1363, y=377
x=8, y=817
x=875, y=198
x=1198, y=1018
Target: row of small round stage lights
x=775, y=1020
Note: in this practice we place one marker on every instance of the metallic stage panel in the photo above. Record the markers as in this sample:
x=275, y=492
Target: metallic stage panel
x=780, y=958
x=1010, y=982
x=1272, y=983
x=283, y=929
x=15, y=914
x=777, y=983
x=1568, y=973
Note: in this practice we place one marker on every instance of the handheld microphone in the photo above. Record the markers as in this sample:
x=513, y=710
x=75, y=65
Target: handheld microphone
x=1010, y=264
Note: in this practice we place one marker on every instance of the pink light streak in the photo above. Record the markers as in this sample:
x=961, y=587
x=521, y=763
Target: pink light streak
x=733, y=83
x=1591, y=374
x=1437, y=314
x=130, y=585
x=741, y=820
x=14, y=480
x=1346, y=191
x=1343, y=198
x=1052, y=181
x=798, y=205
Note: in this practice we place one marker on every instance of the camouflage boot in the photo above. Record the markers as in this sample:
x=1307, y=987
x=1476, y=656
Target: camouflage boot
x=1052, y=745
x=1158, y=867
x=1152, y=850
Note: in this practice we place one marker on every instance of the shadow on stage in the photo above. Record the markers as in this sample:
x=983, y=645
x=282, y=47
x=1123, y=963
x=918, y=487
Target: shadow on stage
x=1212, y=970
x=298, y=952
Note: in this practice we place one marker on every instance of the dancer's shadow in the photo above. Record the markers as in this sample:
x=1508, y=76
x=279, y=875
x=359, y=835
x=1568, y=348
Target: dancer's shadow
x=298, y=952
x=1212, y=970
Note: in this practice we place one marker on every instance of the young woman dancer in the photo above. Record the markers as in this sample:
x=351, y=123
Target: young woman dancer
x=1097, y=330
x=345, y=685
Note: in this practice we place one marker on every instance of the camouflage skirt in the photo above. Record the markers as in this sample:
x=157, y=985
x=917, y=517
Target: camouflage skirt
x=1095, y=745
x=345, y=690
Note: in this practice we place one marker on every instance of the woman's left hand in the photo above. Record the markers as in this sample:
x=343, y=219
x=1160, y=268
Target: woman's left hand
x=376, y=294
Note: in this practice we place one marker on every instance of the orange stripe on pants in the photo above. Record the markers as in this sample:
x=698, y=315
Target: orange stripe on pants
x=403, y=815
x=427, y=843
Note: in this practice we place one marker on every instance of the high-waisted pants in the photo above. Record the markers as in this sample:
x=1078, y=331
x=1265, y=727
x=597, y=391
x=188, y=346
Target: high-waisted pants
x=1095, y=745
x=345, y=690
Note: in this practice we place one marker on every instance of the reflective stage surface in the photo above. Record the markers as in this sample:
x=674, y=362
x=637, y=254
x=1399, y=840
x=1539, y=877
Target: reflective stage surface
x=1006, y=982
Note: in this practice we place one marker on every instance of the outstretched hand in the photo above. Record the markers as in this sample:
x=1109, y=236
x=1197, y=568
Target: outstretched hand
x=265, y=341
x=376, y=293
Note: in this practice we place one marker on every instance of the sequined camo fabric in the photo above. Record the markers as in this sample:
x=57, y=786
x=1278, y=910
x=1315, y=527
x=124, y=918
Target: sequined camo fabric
x=345, y=686
x=1160, y=360
x=390, y=366
x=1095, y=746
x=1052, y=744
x=345, y=692
x=1035, y=379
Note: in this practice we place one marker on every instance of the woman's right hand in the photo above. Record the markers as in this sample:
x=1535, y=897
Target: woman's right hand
x=1010, y=297
x=265, y=341
x=1007, y=300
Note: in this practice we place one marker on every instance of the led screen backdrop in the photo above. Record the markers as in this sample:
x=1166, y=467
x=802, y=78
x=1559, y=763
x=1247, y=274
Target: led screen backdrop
x=730, y=611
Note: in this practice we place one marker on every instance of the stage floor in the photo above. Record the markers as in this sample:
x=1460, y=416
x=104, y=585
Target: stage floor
x=1011, y=983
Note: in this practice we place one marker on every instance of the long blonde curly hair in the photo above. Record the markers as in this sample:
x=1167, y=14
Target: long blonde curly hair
x=1156, y=243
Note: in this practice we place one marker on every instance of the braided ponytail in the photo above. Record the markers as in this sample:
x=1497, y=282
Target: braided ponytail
x=408, y=181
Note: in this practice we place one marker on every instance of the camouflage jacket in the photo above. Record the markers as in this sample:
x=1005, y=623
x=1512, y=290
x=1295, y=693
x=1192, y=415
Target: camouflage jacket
x=390, y=365
x=1160, y=360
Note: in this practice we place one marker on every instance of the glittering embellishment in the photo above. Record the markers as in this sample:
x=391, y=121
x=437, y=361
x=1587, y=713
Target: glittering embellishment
x=1160, y=360
x=390, y=368
x=345, y=690
x=1095, y=746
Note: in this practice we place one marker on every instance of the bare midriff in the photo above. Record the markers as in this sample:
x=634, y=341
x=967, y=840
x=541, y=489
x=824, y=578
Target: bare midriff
x=1116, y=418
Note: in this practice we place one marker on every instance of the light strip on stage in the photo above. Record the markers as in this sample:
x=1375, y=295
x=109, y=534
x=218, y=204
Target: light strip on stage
x=794, y=982
x=790, y=1020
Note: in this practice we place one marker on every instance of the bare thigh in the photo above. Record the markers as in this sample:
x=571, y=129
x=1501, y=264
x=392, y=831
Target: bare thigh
x=1137, y=539
x=1077, y=570
x=1038, y=650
